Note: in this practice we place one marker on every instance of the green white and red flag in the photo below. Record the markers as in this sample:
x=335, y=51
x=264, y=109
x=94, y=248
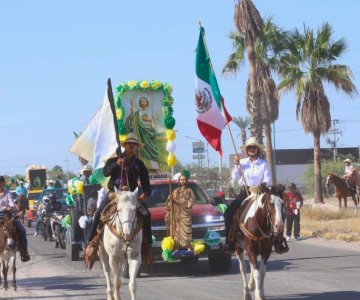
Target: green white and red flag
x=212, y=115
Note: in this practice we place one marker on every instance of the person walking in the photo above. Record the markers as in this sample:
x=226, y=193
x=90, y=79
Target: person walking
x=293, y=216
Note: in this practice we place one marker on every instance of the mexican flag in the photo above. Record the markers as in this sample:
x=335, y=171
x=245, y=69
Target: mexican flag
x=212, y=115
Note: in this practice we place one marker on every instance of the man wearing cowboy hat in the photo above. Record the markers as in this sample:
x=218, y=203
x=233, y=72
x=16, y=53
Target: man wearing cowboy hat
x=348, y=172
x=86, y=172
x=251, y=171
x=124, y=170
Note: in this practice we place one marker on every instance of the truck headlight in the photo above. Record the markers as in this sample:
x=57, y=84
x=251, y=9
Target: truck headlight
x=214, y=218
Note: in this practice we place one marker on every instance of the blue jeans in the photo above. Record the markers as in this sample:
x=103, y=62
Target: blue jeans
x=37, y=225
x=22, y=233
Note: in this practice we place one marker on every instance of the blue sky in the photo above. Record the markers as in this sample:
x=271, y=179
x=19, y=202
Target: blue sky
x=57, y=55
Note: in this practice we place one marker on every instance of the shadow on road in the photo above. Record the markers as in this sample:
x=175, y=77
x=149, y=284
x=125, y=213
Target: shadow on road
x=202, y=269
x=339, y=295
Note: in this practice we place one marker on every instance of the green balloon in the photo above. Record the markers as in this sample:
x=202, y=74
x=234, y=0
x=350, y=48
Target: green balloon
x=169, y=122
x=92, y=180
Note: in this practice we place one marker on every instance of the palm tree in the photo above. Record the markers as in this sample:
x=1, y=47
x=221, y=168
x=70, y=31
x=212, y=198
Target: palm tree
x=308, y=63
x=243, y=124
x=262, y=100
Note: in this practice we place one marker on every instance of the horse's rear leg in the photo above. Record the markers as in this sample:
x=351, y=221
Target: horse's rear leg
x=14, y=272
x=242, y=265
x=1, y=263
x=116, y=270
x=104, y=258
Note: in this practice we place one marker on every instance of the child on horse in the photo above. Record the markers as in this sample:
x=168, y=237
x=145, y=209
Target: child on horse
x=249, y=172
x=124, y=171
x=6, y=205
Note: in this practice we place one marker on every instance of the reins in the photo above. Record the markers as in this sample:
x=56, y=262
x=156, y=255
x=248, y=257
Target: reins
x=263, y=236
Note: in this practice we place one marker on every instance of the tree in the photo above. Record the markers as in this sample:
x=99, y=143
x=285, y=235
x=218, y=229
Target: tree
x=264, y=43
x=243, y=124
x=308, y=63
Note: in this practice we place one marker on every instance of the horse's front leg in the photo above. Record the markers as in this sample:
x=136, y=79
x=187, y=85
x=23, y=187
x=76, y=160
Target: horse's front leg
x=116, y=270
x=262, y=277
x=339, y=199
x=13, y=261
x=345, y=202
x=1, y=264
x=104, y=258
x=242, y=266
x=134, y=265
x=257, y=277
x=5, y=271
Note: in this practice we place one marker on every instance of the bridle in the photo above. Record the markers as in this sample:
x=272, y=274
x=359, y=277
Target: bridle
x=264, y=235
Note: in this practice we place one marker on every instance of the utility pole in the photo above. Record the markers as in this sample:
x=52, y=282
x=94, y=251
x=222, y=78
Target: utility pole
x=334, y=131
x=67, y=168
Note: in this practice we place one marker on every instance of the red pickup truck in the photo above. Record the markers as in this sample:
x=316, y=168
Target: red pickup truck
x=206, y=218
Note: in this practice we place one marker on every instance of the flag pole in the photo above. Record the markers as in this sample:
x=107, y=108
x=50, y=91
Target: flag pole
x=228, y=126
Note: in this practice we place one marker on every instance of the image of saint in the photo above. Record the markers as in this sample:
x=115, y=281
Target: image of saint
x=178, y=214
x=142, y=124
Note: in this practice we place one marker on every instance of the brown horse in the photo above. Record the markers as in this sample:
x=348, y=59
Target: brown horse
x=259, y=226
x=355, y=177
x=22, y=204
x=8, y=242
x=342, y=189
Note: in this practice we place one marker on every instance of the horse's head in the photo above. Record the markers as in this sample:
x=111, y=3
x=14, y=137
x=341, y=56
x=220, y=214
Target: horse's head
x=7, y=233
x=330, y=179
x=127, y=205
x=274, y=202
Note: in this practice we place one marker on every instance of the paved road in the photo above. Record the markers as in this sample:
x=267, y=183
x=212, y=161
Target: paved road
x=313, y=269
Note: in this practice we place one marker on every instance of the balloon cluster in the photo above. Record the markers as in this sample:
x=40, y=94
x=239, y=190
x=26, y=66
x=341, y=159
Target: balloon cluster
x=75, y=186
x=167, y=110
x=167, y=245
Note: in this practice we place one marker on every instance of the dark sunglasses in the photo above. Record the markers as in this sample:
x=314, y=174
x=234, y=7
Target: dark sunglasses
x=252, y=147
x=131, y=143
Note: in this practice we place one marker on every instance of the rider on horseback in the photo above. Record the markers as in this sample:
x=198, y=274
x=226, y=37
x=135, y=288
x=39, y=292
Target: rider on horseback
x=124, y=171
x=348, y=172
x=249, y=172
x=7, y=204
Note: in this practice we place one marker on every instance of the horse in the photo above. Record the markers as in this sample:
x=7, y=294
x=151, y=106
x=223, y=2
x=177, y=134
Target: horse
x=121, y=241
x=342, y=189
x=259, y=224
x=22, y=204
x=8, y=242
x=355, y=177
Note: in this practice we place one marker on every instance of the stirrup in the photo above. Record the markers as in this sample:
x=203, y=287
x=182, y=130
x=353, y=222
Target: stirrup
x=25, y=256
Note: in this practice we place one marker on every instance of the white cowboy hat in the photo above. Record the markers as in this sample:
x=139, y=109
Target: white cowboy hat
x=252, y=141
x=87, y=168
x=348, y=160
x=132, y=138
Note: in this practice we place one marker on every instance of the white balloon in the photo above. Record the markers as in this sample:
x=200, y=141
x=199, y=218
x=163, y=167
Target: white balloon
x=170, y=147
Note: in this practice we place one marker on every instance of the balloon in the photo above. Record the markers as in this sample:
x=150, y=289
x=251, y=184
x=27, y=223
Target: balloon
x=79, y=187
x=171, y=160
x=167, y=243
x=169, y=122
x=186, y=173
x=170, y=147
x=199, y=248
x=144, y=84
x=170, y=134
x=69, y=200
x=131, y=84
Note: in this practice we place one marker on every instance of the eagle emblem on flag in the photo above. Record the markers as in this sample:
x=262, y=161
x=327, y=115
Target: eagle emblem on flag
x=203, y=100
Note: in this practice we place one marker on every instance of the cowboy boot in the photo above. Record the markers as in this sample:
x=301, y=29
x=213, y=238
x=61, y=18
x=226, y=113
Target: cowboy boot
x=147, y=257
x=90, y=253
x=24, y=254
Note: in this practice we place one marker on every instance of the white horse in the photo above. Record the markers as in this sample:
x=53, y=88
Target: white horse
x=121, y=240
x=7, y=251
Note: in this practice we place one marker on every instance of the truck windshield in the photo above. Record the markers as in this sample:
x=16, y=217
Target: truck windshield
x=160, y=192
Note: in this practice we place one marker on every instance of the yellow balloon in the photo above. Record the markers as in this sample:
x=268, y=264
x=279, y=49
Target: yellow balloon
x=170, y=134
x=79, y=187
x=171, y=160
x=199, y=248
x=122, y=137
x=167, y=243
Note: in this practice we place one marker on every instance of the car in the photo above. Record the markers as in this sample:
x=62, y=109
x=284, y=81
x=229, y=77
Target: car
x=205, y=218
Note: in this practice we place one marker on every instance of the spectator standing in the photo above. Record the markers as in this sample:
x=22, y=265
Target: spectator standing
x=293, y=217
